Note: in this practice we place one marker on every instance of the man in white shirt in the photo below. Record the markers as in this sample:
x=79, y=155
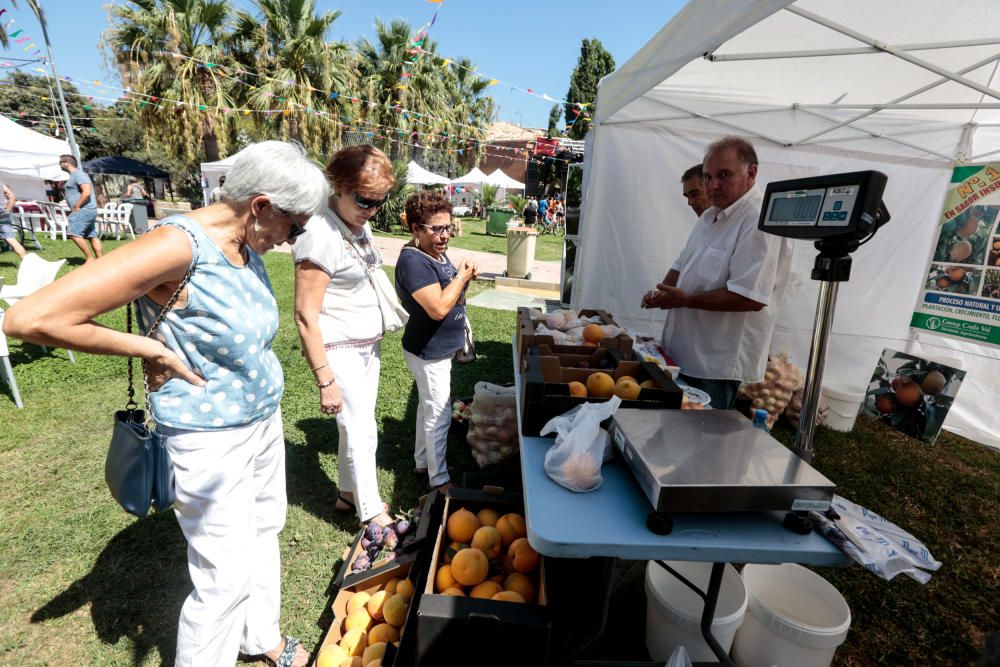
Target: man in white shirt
x=723, y=292
x=693, y=189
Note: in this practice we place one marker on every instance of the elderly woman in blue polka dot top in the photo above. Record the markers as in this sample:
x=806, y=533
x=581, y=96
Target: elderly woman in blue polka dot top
x=216, y=386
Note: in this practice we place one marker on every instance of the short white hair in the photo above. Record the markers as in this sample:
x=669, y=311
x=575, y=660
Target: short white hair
x=281, y=171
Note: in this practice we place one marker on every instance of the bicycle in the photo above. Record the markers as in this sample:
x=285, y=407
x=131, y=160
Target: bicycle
x=550, y=226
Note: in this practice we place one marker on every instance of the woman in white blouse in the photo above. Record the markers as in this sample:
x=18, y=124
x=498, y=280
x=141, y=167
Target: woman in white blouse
x=339, y=320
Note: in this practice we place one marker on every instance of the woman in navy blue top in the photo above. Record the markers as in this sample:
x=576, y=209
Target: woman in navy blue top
x=432, y=290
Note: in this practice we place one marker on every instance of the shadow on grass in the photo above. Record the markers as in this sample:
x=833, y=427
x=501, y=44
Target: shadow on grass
x=135, y=589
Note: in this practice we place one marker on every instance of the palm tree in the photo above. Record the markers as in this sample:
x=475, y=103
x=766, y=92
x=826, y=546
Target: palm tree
x=471, y=108
x=186, y=94
x=287, y=44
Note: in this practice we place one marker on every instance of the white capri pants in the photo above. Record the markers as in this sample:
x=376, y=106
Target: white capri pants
x=356, y=370
x=433, y=379
x=230, y=506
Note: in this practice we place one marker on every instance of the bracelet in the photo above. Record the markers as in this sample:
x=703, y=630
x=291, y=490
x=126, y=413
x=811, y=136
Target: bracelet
x=319, y=367
x=324, y=385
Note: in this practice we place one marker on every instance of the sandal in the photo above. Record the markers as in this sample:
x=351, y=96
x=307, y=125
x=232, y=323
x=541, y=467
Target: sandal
x=287, y=656
x=351, y=507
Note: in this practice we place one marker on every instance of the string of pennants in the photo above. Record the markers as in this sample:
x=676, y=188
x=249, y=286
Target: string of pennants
x=18, y=36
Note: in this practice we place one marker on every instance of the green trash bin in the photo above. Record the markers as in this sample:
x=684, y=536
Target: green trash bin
x=520, y=251
x=497, y=221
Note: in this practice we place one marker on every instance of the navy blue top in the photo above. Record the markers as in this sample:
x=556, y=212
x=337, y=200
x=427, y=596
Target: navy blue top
x=424, y=336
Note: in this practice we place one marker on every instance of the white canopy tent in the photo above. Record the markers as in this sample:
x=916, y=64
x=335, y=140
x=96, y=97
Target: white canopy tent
x=906, y=88
x=211, y=172
x=474, y=177
x=417, y=175
x=500, y=178
x=27, y=158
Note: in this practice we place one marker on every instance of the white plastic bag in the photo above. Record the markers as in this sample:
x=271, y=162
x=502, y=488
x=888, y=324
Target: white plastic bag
x=575, y=460
x=679, y=658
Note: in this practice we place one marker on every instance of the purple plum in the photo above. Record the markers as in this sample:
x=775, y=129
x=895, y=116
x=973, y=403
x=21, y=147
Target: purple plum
x=365, y=542
x=408, y=542
x=403, y=527
x=362, y=562
x=373, y=532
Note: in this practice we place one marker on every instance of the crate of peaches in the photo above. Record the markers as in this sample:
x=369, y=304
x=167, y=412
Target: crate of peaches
x=483, y=568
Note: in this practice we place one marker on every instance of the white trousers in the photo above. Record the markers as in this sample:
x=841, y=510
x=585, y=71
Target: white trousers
x=230, y=506
x=433, y=415
x=356, y=370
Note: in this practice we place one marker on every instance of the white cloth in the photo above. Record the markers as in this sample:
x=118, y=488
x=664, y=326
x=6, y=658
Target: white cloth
x=231, y=506
x=350, y=308
x=356, y=370
x=727, y=251
x=433, y=415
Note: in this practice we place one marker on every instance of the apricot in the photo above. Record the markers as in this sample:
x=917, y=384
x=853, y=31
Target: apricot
x=405, y=588
x=395, y=610
x=600, y=385
x=354, y=661
x=960, y=251
x=885, y=404
x=470, y=567
x=956, y=273
x=627, y=390
x=488, y=540
x=592, y=333
x=359, y=618
x=382, y=633
x=521, y=584
x=454, y=592
x=909, y=393
x=577, y=389
x=375, y=604
x=375, y=650
x=649, y=384
x=354, y=642
x=487, y=517
x=358, y=601
x=486, y=590
x=452, y=549
x=443, y=579
x=462, y=525
x=509, y=596
x=942, y=282
x=969, y=227
x=511, y=527
x=331, y=656
x=522, y=556
x=390, y=586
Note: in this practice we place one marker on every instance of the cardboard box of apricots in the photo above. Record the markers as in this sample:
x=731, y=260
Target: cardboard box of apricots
x=526, y=335
x=488, y=604
x=370, y=619
x=554, y=383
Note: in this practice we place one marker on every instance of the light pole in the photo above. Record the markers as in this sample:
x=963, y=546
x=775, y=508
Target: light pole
x=62, y=100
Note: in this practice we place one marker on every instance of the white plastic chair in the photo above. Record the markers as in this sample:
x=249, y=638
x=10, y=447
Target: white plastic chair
x=26, y=221
x=55, y=217
x=33, y=274
x=6, y=372
x=124, y=222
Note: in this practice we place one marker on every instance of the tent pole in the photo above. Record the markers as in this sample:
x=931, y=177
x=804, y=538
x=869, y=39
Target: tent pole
x=857, y=51
x=74, y=149
x=875, y=135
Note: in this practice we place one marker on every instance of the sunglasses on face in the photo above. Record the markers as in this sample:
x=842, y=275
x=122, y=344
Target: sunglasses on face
x=364, y=203
x=297, y=229
x=438, y=230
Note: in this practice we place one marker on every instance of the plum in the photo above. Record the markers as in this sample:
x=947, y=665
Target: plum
x=373, y=550
x=373, y=532
x=408, y=542
x=365, y=542
x=391, y=541
x=362, y=562
x=402, y=527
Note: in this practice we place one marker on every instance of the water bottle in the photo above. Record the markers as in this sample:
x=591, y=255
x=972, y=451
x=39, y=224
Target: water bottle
x=760, y=419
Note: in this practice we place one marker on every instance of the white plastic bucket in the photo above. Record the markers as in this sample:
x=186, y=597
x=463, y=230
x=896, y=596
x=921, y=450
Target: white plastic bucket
x=845, y=403
x=795, y=618
x=673, y=611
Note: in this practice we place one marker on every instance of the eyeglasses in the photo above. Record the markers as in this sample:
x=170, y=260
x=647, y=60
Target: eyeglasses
x=364, y=203
x=438, y=230
x=297, y=229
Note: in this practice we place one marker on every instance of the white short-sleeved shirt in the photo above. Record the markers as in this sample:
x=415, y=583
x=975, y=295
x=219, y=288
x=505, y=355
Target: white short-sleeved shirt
x=727, y=251
x=350, y=311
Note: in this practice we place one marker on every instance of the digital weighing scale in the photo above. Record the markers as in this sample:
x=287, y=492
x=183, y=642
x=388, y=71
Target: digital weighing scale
x=714, y=461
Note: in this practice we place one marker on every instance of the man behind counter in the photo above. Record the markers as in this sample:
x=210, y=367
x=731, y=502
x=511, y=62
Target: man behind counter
x=723, y=292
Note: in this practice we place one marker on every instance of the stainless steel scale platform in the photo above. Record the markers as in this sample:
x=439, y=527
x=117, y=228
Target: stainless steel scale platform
x=714, y=461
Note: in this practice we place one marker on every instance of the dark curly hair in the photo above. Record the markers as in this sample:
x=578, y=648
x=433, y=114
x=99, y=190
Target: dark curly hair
x=421, y=206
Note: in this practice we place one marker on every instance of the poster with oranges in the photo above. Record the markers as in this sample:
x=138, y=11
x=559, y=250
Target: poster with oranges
x=912, y=394
x=961, y=292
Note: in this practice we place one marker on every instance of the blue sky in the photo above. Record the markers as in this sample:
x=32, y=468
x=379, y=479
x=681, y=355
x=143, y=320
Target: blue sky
x=530, y=44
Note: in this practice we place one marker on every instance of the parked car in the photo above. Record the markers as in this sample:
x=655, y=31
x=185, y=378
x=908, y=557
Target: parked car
x=461, y=210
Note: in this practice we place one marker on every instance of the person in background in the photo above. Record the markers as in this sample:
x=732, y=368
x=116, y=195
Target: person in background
x=543, y=207
x=7, y=232
x=432, y=291
x=530, y=212
x=723, y=293
x=83, y=208
x=693, y=189
x=216, y=386
x=217, y=192
x=134, y=190
x=339, y=319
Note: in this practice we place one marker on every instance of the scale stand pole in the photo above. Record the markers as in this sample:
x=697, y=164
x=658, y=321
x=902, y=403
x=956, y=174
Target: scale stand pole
x=814, y=372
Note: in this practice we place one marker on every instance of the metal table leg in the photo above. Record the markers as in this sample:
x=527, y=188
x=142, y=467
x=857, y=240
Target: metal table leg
x=711, y=598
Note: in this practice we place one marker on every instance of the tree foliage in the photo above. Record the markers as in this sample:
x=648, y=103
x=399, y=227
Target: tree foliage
x=594, y=62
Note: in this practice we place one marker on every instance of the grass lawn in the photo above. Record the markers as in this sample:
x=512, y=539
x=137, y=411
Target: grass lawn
x=82, y=583
x=548, y=247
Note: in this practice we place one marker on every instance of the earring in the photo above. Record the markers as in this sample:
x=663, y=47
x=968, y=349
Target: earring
x=256, y=225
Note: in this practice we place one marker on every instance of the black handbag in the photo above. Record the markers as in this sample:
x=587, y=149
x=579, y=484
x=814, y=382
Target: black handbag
x=138, y=470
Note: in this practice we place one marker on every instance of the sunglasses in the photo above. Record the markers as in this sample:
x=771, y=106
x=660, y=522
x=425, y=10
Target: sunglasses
x=364, y=203
x=438, y=230
x=297, y=230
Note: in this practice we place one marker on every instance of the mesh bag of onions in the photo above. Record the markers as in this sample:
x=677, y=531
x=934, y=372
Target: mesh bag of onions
x=774, y=393
x=492, y=427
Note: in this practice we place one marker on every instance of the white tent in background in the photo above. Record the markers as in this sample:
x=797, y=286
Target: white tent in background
x=474, y=177
x=909, y=89
x=27, y=158
x=500, y=178
x=212, y=171
x=417, y=175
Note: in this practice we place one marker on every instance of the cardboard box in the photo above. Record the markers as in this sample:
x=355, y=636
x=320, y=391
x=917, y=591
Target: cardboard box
x=469, y=631
x=545, y=386
x=526, y=336
x=370, y=584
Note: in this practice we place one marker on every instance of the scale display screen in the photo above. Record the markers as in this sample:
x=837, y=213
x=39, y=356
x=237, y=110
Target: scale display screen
x=823, y=206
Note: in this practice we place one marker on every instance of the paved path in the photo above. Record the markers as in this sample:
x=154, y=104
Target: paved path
x=489, y=263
